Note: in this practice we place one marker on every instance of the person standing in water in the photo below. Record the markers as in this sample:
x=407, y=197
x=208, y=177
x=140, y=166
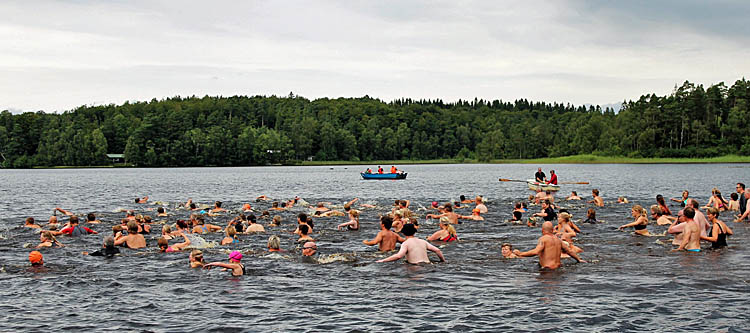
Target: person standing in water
x=691, y=234
x=414, y=249
x=386, y=239
x=719, y=232
x=549, y=248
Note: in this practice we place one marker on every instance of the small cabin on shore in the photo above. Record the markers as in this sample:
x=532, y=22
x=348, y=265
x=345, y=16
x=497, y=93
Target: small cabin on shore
x=116, y=158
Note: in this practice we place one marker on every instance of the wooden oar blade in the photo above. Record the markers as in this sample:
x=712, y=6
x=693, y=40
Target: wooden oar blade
x=511, y=180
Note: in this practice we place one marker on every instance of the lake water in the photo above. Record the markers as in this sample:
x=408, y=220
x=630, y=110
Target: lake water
x=631, y=283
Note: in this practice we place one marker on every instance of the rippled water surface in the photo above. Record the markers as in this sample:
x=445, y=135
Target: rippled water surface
x=631, y=283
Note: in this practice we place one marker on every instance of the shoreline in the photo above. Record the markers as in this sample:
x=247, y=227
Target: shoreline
x=574, y=159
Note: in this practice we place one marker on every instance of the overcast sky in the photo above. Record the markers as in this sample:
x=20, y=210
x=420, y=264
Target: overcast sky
x=57, y=55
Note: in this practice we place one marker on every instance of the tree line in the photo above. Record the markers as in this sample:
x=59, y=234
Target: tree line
x=259, y=130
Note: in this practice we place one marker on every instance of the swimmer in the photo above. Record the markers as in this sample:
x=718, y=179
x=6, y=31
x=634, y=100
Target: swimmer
x=53, y=222
x=75, y=229
x=108, y=249
x=30, y=223
x=598, y=201
x=573, y=196
x=196, y=259
x=217, y=208
x=302, y=218
x=166, y=232
x=262, y=198
x=230, y=236
x=274, y=244
x=141, y=200
x=640, y=223
x=591, y=216
x=133, y=239
x=622, y=200
x=539, y=197
x=385, y=239
x=47, y=239
x=36, y=259
x=353, y=223
x=683, y=201
x=91, y=218
x=161, y=212
x=507, y=251
x=254, y=227
x=414, y=249
x=201, y=227
x=474, y=215
x=480, y=204
x=563, y=229
x=165, y=247
x=657, y=215
x=452, y=217
x=663, y=206
x=275, y=206
x=276, y=221
x=691, y=234
x=234, y=264
x=446, y=233
x=330, y=213
x=247, y=208
x=309, y=249
x=547, y=213
x=304, y=231
x=463, y=199
x=734, y=203
x=719, y=231
x=549, y=248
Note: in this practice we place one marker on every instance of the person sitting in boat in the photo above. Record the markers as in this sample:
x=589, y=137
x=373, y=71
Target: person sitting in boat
x=539, y=176
x=368, y=171
x=552, y=178
x=380, y=170
x=393, y=169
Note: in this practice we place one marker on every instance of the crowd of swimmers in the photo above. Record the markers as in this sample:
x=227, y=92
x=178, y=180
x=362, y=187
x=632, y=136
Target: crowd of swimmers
x=691, y=225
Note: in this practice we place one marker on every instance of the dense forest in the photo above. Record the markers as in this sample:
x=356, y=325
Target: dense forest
x=241, y=130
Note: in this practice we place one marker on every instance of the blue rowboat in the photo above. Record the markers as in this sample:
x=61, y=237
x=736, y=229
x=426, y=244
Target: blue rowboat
x=383, y=175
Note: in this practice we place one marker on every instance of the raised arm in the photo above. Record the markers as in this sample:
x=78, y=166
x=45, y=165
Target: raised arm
x=183, y=245
x=676, y=228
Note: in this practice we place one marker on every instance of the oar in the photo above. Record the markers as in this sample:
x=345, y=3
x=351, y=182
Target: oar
x=511, y=180
x=579, y=183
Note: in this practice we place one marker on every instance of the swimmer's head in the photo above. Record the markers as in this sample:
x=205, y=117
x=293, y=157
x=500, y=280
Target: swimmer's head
x=160, y=210
x=476, y=211
x=309, y=248
x=564, y=217
x=301, y=217
x=274, y=243
x=434, y=204
x=547, y=227
x=387, y=222
x=217, y=204
x=109, y=242
x=90, y=217
x=29, y=220
x=591, y=213
x=595, y=192
x=197, y=255
x=231, y=232
x=409, y=230
x=162, y=243
x=277, y=220
x=689, y=212
x=36, y=258
x=304, y=229
x=235, y=256
x=713, y=211
x=52, y=219
x=445, y=220
x=506, y=249
x=73, y=220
